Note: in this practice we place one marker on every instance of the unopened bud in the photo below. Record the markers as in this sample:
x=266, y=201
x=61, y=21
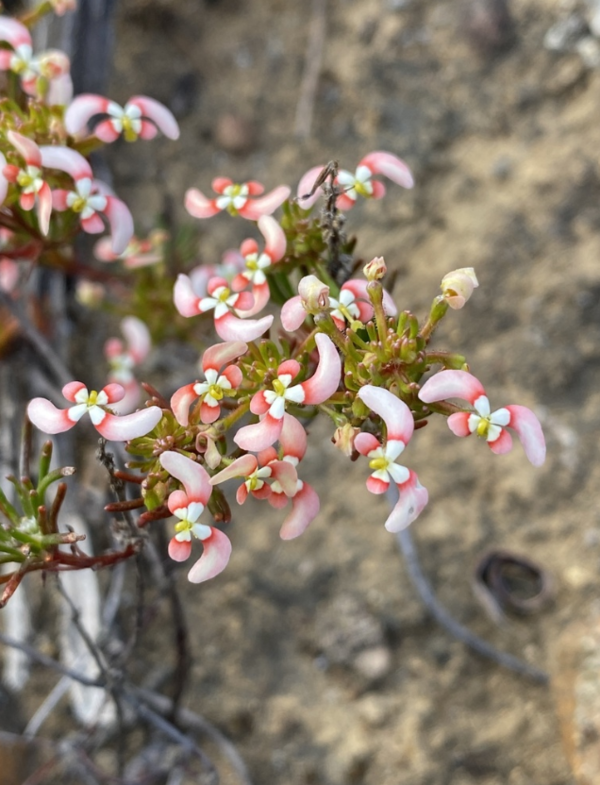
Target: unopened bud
x=344, y=437
x=314, y=294
x=375, y=269
x=458, y=286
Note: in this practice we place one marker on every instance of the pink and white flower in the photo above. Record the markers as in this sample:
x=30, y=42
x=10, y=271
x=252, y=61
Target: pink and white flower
x=123, y=357
x=236, y=199
x=256, y=475
x=139, y=253
x=271, y=404
x=90, y=199
x=33, y=71
x=228, y=307
x=487, y=424
x=140, y=117
x=360, y=183
x=219, y=382
x=29, y=179
x=45, y=415
x=188, y=506
x=257, y=263
x=382, y=457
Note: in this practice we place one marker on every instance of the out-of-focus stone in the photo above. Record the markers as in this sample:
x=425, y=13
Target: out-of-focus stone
x=576, y=688
x=235, y=134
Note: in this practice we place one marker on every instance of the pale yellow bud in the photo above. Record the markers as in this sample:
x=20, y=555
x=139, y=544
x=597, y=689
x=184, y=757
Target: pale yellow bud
x=343, y=438
x=458, y=286
x=375, y=269
x=314, y=294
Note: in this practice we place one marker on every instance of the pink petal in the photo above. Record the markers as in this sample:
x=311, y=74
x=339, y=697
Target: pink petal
x=59, y=200
x=44, y=208
x=260, y=296
x=103, y=252
x=230, y=328
x=217, y=550
x=365, y=443
x=60, y=91
x=106, y=132
x=305, y=508
x=289, y=367
x=502, y=444
x=365, y=312
x=275, y=242
x=66, y=160
x=93, y=224
x=293, y=314
x=233, y=374
x=394, y=412
x=71, y=389
x=390, y=166
x=378, y=189
x=219, y=184
x=130, y=426
x=3, y=180
x=199, y=205
x=6, y=56
x=209, y=414
x=214, y=283
x=459, y=423
x=27, y=201
x=254, y=187
x=130, y=400
x=411, y=502
x=121, y=223
x=186, y=300
x=26, y=147
x=14, y=32
x=358, y=287
x=45, y=416
x=305, y=186
x=250, y=246
x=377, y=486
x=244, y=302
x=158, y=113
x=147, y=130
x=293, y=437
x=241, y=494
x=277, y=500
x=180, y=551
x=114, y=392
x=451, y=384
x=265, y=205
x=529, y=431
x=259, y=404
x=137, y=336
x=259, y=436
x=81, y=111
x=345, y=202
x=193, y=475
x=326, y=378
x=286, y=475
x=262, y=493
x=241, y=467
x=181, y=400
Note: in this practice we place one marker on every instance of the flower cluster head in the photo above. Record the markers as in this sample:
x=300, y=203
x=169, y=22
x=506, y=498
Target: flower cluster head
x=45, y=415
x=141, y=117
x=359, y=183
x=236, y=199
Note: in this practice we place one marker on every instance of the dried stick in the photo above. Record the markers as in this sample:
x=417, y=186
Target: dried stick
x=312, y=69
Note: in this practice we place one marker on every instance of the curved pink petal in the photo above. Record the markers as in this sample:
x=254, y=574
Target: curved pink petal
x=293, y=437
x=378, y=189
x=260, y=296
x=244, y=302
x=217, y=550
x=194, y=476
x=13, y=32
x=262, y=493
x=275, y=242
x=27, y=201
x=45, y=416
x=345, y=202
x=459, y=423
x=131, y=398
x=325, y=380
x=259, y=436
x=277, y=500
x=181, y=400
x=502, y=444
x=259, y=404
x=289, y=368
x=199, y=205
x=219, y=184
x=254, y=187
x=230, y=328
x=162, y=117
x=106, y=132
x=6, y=56
x=305, y=186
x=121, y=223
x=241, y=467
x=365, y=312
x=286, y=475
x=233, y=374
x=451, y=384
x=137, y=336
x=222, y=353
x=365, y=443
x=394, y=412
x=180, y=551
x=59, y=199
x=411, y=502
x=390, y=166
x=250, y=246
x=130, y=426
x=293, y=314
x=114, y=392
x=27, y=148
x=60, y=90
x=529, y=431
x=44, y=210
x=71, y=389
x=209, y=414
x=185, y=299
x=265, y=205
x=377, y=486
x=81, y=111
x=305, y=508
x=66, y=160
x=147, y=130
x=93, y=224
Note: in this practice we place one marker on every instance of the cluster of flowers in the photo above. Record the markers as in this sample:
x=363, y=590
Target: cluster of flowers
x=348, y=352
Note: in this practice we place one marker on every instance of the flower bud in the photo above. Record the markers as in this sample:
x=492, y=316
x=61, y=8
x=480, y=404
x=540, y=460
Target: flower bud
x=314, y=294
x=344, y=437
x=458, y=286
x=375, y=269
